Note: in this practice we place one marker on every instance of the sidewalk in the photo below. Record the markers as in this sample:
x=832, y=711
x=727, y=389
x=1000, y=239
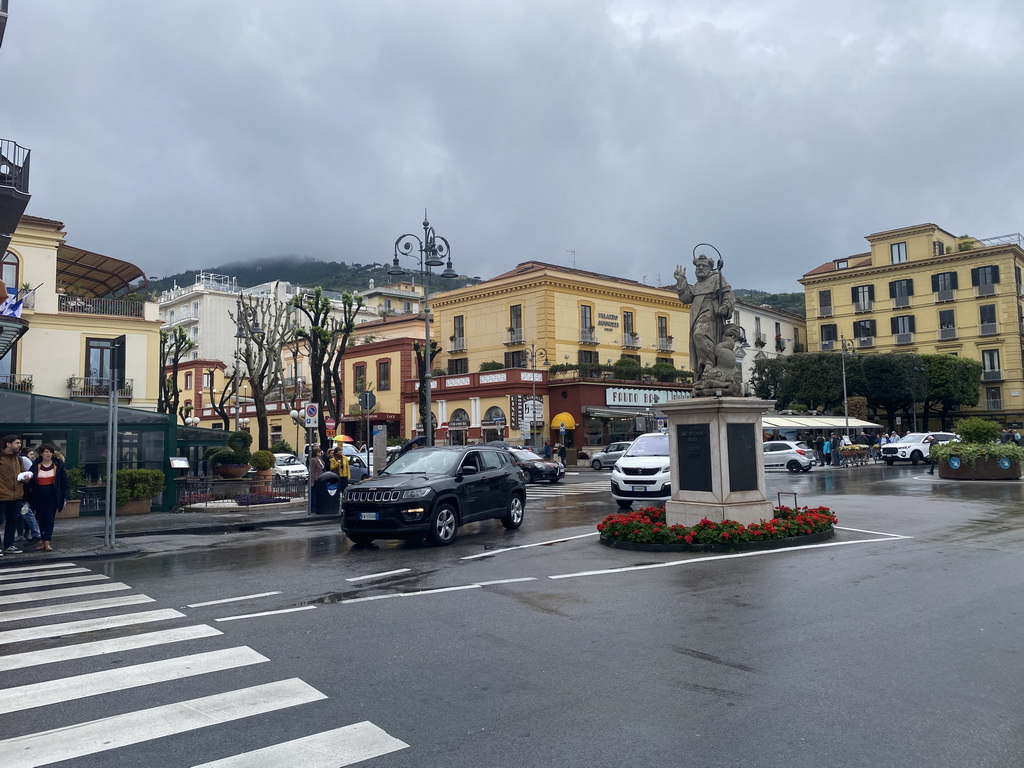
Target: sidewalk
x=81, y=538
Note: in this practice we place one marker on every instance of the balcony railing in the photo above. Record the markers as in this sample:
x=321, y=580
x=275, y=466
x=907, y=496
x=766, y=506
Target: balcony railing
x=824, y=311
x=588, y=336
x=994, y=404
x=760, y=339
x=828, y=344
x=899, y=302
x=513, y=336
x=985, y=289
x=665, y=344
x=185, y=316
x=945, y=334
x=89, y=387
x=14, y=163
x=992, y=375
x=944, y=296
x=866, y=341
x=457, y=344
x=81, y=305
x=860, y=307
x=19, y=382
x=903, y=338
x=988, y=329
x=631, y=340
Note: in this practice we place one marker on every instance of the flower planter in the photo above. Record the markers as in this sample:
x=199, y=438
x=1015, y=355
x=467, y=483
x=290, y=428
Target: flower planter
x=231, y=471
x=743, y=546
x=985, y=468
x=136, y=507
x=72, y=508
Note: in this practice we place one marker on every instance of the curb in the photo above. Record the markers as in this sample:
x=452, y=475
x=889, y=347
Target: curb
x=237, y=527
x=12, y=561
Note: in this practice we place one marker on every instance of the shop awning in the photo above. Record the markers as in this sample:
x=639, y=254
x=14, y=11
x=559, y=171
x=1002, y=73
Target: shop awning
x=563, y=418
x=816, y=422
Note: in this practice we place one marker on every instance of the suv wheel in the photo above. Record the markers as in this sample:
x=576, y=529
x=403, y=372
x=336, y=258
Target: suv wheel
x=916, y=457
x=624, y=504
x=596, y=464
x=888, y=462
x=793, y=466
x=443, y=524
x=514, y=517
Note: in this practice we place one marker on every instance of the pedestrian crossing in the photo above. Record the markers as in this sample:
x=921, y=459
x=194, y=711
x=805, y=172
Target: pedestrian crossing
x=547, y=490
x=76, y=673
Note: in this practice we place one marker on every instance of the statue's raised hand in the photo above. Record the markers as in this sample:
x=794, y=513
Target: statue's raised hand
x=680, y=275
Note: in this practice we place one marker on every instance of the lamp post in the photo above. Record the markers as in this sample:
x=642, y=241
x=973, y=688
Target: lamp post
x=254, y=331
x=531, y=355
x=432, y=251
x=846, y=344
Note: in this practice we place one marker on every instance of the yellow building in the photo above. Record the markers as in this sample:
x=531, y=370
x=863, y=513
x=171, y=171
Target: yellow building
x=920, y=289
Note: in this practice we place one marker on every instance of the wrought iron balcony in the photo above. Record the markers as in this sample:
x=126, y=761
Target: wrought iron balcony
x=665, y=344
x=19, y=382
x=94, y=387
x=994, y=404
x=944, y=296
x=14, y=196
x=861, y=307
x=995, y=375
x=903, y=338
x=82, y=305
x=588, y=336
x=631, y=340
x=825, y=312
x=945, y=334
x=457, y=344
x=988, y=329
x=985, y=289
x=513, y=336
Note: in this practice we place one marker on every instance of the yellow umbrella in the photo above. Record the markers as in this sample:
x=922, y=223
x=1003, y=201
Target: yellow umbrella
x=343, y=439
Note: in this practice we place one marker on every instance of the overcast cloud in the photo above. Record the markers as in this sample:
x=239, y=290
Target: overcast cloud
x=189, y=134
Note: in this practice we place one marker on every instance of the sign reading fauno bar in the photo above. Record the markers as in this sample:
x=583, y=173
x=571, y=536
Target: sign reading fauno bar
x=642, y=398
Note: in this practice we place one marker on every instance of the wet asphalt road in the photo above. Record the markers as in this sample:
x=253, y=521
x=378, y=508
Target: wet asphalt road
x=898, y=644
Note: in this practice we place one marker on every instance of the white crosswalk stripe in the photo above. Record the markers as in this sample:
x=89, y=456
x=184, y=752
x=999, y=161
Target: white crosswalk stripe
x=539, y=490
x=176, y=658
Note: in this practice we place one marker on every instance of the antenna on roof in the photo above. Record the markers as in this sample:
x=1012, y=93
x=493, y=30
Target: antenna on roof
x=573, y=252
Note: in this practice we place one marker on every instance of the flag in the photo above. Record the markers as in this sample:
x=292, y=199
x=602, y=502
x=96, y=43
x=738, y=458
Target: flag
x=9, y=303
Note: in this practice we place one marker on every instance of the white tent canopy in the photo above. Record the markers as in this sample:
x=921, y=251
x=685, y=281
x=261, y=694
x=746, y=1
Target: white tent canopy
x=816, y=422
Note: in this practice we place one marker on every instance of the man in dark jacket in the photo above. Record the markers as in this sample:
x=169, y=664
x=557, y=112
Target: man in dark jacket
x=12, y=490
x=819, y=448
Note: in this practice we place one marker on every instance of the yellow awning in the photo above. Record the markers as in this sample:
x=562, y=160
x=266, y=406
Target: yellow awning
x=563, y=418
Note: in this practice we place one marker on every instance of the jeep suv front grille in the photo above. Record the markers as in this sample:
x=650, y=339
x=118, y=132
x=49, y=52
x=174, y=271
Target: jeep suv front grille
x=373, y=496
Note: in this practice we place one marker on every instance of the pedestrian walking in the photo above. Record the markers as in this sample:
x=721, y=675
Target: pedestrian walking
x=930, y=441
x=316, y=468
x=547, y=450
x=50, y=490
x=561, y=454
x=340, y=467
x=819, y=449
x=836, y=444
x=826, y=450
x=28, y=526
x=12, y=489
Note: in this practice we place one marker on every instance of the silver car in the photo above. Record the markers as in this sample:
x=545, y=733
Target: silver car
x=609, y=455
x=791, y=455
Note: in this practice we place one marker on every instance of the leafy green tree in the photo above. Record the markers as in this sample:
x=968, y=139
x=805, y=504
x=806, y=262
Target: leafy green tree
x=952, y=382
x=814, y=378
x=768, y=377
x=896, y=381
x=626, y=368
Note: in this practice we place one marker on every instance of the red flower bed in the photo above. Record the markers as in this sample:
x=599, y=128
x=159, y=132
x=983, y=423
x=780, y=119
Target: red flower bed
x=648, y=526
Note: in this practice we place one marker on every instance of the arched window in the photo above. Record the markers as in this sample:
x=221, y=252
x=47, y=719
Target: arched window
x=9, y=270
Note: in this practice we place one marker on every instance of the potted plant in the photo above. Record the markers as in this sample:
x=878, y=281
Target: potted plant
x=73, y=506
x=263, y=462
x=977, y=455
x=136, y=489
x=231, y=460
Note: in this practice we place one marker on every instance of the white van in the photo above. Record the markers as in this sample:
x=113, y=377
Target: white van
x=642, y=473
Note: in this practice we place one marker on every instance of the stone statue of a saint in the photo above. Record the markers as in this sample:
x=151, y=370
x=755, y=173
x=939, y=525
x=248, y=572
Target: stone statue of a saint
x=711, y=303
x=723, y=377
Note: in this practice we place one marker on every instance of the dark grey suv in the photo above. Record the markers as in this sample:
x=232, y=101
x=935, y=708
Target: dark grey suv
x=432, y=491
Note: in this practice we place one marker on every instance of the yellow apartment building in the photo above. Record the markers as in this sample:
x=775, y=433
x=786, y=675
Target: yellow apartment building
x=921, y=289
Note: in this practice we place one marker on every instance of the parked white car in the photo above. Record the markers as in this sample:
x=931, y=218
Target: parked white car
x=611, y=453
x=792, y=455
x=914, y=447
x=286, y=465
x=642, y=473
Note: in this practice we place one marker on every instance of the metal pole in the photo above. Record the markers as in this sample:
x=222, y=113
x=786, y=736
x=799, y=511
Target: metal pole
x=238, y=339
x=846, y=402
x=428, y=422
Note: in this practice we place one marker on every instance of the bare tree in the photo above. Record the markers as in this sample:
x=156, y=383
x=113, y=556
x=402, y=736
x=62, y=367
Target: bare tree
x=174, y=345
x=260, y=354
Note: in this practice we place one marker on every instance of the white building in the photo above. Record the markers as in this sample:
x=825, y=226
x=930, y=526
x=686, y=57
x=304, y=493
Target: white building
x=770, y=332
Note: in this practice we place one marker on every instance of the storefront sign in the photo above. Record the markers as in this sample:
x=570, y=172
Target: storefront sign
x=643, y=398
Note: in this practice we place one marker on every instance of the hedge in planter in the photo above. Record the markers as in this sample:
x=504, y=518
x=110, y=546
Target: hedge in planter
x=234, y=453
x=978, y=455
x=138, y=484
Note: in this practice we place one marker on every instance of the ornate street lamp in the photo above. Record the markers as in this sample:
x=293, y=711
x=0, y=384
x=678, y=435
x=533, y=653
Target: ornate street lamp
x=432, y=251
x=846, y=348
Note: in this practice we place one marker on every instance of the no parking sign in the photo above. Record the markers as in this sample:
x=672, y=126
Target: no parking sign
x=312, y=414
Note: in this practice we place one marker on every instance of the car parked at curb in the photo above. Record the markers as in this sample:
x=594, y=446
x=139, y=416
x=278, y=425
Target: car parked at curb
x=432, y=492
x=642, y=473
x=608, y=455
x=537, y=468
x=914, y=447
x=288, y=466
x=795, y=456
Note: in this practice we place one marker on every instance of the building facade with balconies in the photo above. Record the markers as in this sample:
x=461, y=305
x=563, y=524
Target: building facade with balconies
x=921, y=289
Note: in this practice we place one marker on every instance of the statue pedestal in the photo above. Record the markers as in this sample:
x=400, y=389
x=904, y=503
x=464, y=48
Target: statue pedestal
x=717, y=461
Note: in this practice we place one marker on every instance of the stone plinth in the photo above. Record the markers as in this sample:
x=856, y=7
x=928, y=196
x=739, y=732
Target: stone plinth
x=717, y=463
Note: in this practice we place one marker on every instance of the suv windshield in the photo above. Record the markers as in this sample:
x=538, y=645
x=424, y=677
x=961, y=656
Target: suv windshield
x=423, y=461
x=649, y=445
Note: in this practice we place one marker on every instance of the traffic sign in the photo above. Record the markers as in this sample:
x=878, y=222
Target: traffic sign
x=444, y=426
x=312, y=415
x=330, y=423
x=367, y=400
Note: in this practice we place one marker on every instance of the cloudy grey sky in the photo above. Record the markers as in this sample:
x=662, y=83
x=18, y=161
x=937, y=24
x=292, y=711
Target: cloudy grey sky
x=189, y=134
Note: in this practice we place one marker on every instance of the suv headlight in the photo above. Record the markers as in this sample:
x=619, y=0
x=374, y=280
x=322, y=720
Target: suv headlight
x=417, y=493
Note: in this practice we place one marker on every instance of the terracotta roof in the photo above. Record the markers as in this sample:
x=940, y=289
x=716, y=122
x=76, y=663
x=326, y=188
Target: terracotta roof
x=830, y=266
x=536, y=266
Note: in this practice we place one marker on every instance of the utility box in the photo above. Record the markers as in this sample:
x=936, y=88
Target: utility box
x=572, y=457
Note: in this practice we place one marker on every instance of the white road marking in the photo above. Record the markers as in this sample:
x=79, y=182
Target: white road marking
x=330, y=749
x=110, y=680
x=371, y=597
x=231, y=599
x=47, y=567
x=267, y=613
x=83, y=605
x=475, y=585
x=49, y=594
x=440, y=589
x=47, y=583
x=874, y=533
x=37, y=574
x=527, y=546
x=87, y=625
x=100, y=647
x=697, y=560
x=379, y=575
x=505, y=581
x=71, y=741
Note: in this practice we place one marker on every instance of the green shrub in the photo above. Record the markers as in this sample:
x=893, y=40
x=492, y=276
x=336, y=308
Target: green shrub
x=234, y=451
x=664, y=371
x=133, y=484
x=491, y=365
x=977, y=430
x=76, y=476
x=262, y=460
x=626, y=368
x=282, y=446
